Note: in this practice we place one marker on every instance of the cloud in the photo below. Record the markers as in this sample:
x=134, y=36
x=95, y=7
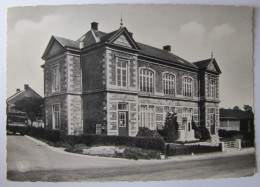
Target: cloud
x=222, y=31
x=192, y=29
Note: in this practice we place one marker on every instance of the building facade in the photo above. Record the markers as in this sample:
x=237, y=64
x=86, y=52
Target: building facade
x=17, y=116
x=109, y=83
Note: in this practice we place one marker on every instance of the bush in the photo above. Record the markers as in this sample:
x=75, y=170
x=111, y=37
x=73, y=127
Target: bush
x=77, y=148
x=146, y=132
x=173, y=150
x=138, y=153
x=92, y=139
x=249, y=136
x=202, y=133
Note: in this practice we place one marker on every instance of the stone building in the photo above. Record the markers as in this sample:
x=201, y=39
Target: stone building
x=109, y=83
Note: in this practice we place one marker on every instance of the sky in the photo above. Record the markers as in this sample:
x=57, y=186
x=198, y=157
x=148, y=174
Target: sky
x=193, y=31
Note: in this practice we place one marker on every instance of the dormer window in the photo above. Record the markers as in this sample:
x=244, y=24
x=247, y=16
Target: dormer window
x=169, y=84
x=187, y=87
x=146, y=80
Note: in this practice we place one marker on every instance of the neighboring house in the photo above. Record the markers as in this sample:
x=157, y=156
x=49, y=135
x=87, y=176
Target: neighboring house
x=16, y=116
x=237, y=120
x=108, y=82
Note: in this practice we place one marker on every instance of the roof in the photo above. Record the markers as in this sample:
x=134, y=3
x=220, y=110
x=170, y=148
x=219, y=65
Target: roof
x=67, y=42
x=203, y=64
x=235, y=114
x=94, y=36
x=162, y=54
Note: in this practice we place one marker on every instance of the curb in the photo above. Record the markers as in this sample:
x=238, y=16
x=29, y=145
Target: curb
x=244, y=151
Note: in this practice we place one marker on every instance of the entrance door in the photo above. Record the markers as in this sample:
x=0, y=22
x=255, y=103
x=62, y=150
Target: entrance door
x=123, y=123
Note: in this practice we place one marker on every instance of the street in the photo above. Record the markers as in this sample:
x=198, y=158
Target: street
x=30, y=160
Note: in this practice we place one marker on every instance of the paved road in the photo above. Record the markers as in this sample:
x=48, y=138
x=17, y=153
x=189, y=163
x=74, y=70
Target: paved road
x=30, y=160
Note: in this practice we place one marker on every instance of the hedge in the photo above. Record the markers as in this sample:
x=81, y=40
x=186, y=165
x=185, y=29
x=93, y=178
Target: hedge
x=92, y=139
x=236, y=134
x=173, y=150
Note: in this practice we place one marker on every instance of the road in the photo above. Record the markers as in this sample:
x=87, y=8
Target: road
x=30, y=160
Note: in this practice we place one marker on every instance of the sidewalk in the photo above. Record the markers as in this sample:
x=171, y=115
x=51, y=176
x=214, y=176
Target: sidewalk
x=204, y=156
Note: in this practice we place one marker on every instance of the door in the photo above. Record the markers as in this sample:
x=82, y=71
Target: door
x=123, y=123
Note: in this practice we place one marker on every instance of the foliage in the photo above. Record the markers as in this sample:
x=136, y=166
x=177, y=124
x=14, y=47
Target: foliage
x=138, y=153
x=236, y=135
x=93, y=139
x=77, y=148
x=172, y=150
x=236, y=108
x=32, y=106
x=170, y=128
x=146, y=132
x=202, y=133
x=248, y=108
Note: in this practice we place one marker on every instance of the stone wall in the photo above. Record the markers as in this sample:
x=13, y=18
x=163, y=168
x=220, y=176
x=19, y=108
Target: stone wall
x=74, y=114
x=73, y=74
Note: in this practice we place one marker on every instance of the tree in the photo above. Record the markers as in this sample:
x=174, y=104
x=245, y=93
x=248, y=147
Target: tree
x=170, y=129
x=202, y=133
x=236, y=108
x=32, y=106
x=248, y=108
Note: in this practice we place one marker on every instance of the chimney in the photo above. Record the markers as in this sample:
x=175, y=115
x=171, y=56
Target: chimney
x=18, y=90
x=94, y=26
x=26, y=86
x=167, y=48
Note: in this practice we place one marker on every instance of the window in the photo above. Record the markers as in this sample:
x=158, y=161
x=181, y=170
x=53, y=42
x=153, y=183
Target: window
x=146, y=80
x=212, y=116
x=56, y=116
x=122, y=106
x=55, y=78
x=147, y=117
x=212, y=89
x=212, y=120
x=122, y=73
x=169, y=84
x=187, y=87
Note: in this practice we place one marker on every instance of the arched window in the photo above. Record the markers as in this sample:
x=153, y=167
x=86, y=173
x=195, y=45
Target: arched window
x=187, y=87
x=169, y=84
x=146, y=79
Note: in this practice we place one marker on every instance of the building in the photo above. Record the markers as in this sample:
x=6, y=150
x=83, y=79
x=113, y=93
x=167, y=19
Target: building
x=108, y=82
x=16, y=116
x=237, y=120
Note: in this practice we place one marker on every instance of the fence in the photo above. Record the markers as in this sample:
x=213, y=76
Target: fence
x=231, y=145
